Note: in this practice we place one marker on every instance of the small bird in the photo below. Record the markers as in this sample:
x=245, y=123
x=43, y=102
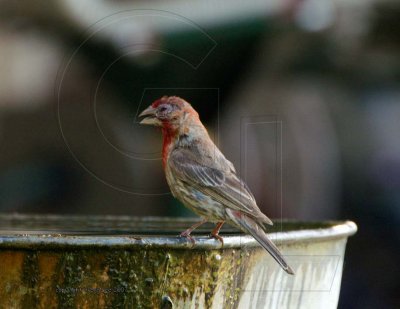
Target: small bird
x=200, y=176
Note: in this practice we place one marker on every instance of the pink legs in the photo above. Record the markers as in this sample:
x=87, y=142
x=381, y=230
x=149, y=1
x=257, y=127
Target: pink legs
x=215, y=232
x=186, y=233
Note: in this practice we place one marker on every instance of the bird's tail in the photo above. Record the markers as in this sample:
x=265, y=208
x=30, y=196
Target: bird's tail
x=250, y=226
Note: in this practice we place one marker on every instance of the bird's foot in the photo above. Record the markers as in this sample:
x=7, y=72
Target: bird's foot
x=187, y=235
x=217, y=237
x=215, y=232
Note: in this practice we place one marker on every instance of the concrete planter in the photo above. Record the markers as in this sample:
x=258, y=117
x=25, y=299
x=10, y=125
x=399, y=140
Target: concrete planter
x=126, y=262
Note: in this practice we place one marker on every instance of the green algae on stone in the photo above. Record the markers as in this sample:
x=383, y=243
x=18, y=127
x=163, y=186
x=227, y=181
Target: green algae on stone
x=71, y=274
x=30, y=278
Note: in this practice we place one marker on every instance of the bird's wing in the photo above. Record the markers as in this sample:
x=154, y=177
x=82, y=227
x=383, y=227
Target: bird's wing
x=224, y=186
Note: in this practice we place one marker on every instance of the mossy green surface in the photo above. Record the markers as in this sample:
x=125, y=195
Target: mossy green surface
x=152, y=278
x=85, y=262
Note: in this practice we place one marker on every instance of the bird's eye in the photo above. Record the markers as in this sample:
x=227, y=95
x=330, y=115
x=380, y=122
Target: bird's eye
x=164, y=109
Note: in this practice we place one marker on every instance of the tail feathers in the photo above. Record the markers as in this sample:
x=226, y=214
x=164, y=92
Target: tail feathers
x=250, y=226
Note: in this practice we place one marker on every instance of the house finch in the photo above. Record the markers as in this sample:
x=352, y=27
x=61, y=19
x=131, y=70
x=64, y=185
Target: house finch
x=200, y=176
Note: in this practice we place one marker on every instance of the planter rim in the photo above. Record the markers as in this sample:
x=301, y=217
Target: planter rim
x=124, y=232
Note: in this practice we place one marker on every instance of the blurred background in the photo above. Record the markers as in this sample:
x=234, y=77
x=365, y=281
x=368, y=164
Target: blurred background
x=302, y=96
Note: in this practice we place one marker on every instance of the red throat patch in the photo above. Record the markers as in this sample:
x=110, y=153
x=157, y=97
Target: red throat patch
x=168, y=137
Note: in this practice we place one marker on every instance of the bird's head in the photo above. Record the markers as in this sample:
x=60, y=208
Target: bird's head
x=171, y=112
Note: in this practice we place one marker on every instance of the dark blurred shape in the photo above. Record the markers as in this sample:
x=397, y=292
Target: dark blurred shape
x=385, y=25
x=38, y=186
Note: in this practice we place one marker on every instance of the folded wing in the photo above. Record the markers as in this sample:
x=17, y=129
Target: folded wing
x=222, y=185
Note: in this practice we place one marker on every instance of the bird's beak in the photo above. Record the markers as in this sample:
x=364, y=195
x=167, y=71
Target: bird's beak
x=151, y=118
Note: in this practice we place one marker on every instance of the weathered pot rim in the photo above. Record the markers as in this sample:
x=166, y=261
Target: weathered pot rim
x=56, y=233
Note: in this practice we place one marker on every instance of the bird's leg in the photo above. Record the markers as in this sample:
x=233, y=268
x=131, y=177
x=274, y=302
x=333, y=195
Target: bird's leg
x=215, y=232
x=187, y=233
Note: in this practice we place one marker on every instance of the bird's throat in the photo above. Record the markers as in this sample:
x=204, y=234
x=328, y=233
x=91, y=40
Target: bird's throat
x=169, y=136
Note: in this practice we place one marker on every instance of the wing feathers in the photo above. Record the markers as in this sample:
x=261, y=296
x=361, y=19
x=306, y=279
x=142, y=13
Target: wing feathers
x=224, y=186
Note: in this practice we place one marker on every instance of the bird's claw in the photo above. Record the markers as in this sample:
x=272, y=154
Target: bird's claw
x=217, y=237
x=187, y=236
